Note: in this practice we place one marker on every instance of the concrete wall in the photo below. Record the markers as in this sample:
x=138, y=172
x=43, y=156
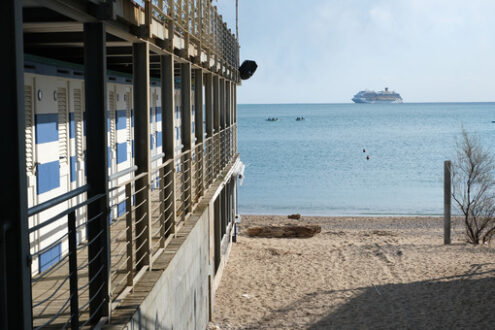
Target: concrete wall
x=179, y=292
x=180, y=298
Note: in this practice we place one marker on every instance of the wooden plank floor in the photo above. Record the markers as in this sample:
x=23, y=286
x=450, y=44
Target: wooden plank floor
x=50, y=290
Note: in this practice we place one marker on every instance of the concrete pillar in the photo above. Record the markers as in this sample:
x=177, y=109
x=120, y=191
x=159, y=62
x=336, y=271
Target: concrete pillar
x=198, y=131
x=198, y=103
x=209, y=104
x=15, y=271
x=447, y=192
x=168, y=140
x=141, y=90
x=186, y=105
x=186, y=121
x=227, y=104
x=235, y=103
x=222, y=103
x=217, y=229
x=95, y=82
x=216, y=104
x=223, y=211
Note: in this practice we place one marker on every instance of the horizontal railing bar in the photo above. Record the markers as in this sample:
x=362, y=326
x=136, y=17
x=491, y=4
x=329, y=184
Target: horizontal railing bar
x=132, y=180
x=57, y=200
x=123, y=172
x=157, y=157
x=64, y=213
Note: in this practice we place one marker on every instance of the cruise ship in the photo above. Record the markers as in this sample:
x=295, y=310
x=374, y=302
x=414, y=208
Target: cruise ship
x=385, y=96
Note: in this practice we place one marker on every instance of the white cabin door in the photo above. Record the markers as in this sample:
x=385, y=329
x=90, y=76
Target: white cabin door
x=30, y=127
x=63, y=134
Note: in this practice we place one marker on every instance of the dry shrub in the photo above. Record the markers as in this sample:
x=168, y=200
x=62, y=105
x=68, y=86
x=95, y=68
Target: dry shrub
x=473, y=188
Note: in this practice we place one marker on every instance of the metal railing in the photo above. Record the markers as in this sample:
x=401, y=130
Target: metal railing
x=63, y=286
x=197, y=172
x=183, y=204
x=61, y=283
x=162, y=224
x=197, y=21
x=124, y=237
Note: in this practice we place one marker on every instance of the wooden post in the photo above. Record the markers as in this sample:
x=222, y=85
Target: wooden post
x=447, y=192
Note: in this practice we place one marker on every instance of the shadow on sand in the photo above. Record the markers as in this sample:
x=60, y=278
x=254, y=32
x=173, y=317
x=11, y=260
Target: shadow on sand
x=459, y=302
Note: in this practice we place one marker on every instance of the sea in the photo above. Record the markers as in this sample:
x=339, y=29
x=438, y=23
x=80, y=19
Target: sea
x=353, y=159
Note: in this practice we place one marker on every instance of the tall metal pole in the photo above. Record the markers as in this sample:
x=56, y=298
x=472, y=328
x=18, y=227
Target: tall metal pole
x=237, y=20
x=447, y=191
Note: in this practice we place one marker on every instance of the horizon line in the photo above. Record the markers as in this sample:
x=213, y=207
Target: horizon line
x=322, y=103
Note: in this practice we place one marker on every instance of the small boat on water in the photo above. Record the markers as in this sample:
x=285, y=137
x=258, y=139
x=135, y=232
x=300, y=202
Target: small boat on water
x=272, y=119
x=299, y=118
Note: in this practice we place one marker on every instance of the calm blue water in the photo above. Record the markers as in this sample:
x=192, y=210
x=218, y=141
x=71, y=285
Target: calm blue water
x=317, y=166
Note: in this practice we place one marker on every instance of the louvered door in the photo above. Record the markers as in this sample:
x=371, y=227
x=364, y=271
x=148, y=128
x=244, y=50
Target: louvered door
x=63, y=136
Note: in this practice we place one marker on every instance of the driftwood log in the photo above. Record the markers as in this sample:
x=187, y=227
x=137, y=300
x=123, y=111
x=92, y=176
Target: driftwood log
x=287, y=231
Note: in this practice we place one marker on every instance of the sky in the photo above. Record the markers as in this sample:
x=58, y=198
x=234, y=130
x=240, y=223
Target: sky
x=325, y=51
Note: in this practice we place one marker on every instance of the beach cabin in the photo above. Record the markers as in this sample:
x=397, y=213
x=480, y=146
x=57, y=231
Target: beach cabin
x=121, y=127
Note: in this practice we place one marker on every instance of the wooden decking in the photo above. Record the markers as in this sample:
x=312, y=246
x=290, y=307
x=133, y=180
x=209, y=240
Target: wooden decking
x=51, y=289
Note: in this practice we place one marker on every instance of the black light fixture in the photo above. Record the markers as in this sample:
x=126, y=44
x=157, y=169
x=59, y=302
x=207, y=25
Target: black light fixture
x=247, y=69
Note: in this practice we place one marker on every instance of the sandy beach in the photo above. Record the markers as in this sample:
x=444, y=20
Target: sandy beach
x=358, y=273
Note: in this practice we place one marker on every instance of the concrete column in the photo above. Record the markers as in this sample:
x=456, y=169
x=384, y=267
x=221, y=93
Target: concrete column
x=15, y=271
x=216, y=104
x=141, y=90
x=198, y=103
x=223, y=212
x=185, y=84
x=222, y=103
x=217, y=229
x=198, y=131
x=95, y=83
x=168, y=140
x=209, y=104
x=235, y=104
x=228, y=106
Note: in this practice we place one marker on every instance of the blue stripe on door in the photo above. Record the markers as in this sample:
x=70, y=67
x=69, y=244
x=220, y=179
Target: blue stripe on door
x=46, y=127
x=72, y=168
x=50, y=257
x=48, y=176
x=158, y=114
x=72, y=125
x=109, y=155
x=158, y=139
x=121, y=152
x=121, y=119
